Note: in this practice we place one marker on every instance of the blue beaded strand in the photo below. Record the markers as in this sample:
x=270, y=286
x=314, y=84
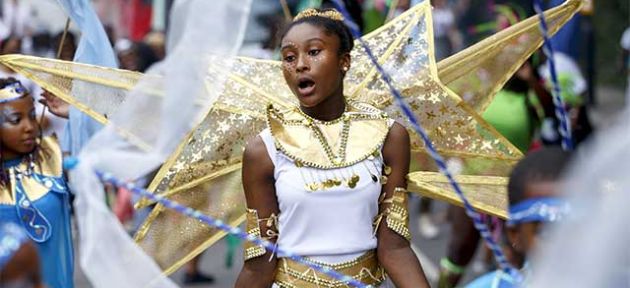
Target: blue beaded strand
x=483, y=229
x=235, y=231
x=565, y=127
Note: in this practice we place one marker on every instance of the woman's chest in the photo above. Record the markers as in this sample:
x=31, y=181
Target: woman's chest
x=358, y=184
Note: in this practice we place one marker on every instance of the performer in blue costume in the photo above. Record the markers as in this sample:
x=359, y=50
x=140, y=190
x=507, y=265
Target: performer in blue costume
x=33, y=192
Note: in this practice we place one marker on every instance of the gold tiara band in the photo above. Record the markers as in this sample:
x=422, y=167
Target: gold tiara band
x=310, y=12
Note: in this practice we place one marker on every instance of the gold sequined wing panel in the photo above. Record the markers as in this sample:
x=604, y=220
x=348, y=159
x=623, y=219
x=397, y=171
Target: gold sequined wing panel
x=480, y=71
x=486, y=193
x=362, y=84
x=205, y=172
x=214, y=149
x=457, y=131
x=96, y=91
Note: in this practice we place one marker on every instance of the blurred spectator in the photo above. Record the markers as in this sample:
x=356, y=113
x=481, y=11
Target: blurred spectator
x=447, y=39
x=15, y=18
x=69, y=45
x=19, y=261
x=157, y=41
x=42, y=45
x=134, y=56
x=625, y=47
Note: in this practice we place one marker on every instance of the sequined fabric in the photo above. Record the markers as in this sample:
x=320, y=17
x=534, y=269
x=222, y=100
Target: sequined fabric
x=204, y=172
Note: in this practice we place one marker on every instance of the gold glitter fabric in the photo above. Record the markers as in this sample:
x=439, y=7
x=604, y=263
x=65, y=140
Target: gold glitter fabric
x=478, y=72
x=314, y=143
x=204, y=172
x=487, y=194
x=48, y=165
x=365, y=268
x=396, y=213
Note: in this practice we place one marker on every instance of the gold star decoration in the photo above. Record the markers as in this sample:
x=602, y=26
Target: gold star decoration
x=205, y=170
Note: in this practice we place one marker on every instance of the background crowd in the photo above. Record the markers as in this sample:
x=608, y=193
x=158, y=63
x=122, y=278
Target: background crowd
x=593, y=59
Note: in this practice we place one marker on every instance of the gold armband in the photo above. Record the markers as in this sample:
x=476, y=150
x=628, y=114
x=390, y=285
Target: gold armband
x=395, y=214
x=253, y=228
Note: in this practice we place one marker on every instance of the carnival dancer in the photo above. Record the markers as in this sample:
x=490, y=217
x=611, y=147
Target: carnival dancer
x=33, y=191
x=326, y=179
x=534, y=202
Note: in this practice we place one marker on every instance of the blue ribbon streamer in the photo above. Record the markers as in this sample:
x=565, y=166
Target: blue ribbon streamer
x=546, y=209
x=483, y=229
x=235, y=231
x=565, y=127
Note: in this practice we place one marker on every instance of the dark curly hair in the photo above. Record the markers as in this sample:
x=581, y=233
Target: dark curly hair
x=346, y=42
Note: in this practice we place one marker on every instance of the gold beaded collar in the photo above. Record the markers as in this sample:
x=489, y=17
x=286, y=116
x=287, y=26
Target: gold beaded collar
x=50, y=164
x=342, y=142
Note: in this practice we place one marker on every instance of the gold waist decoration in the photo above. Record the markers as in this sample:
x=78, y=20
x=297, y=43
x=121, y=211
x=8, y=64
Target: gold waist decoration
x=291, y=274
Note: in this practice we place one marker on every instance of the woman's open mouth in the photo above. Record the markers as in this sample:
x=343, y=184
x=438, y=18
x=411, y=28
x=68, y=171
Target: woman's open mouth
x=306, y=87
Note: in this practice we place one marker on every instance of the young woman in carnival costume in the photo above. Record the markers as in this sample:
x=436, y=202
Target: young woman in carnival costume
x=326, y=180
x=33, y=191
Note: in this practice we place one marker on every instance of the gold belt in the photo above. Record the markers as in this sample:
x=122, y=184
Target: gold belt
x=291, y=274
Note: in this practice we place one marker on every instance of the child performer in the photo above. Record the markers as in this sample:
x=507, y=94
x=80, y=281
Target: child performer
x=534, y=202
x=33, y=192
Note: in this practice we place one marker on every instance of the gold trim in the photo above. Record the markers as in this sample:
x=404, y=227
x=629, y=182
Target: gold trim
x=220, y=234
x=365, y=269
x=302, y=140
x=48, y=163
x=452, y=68
x=370, y=75
x=395, y=214
x=421, y=183
x=191, y=184
x=312, y=12
x=253, y=228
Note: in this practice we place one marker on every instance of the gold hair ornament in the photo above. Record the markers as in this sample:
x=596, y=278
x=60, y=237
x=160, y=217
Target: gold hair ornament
x=311, y=12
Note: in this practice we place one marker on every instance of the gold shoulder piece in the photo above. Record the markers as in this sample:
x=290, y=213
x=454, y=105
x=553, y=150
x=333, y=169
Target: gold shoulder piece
x=395, y=214
x=253, y=228
x=342, y=142
x=49, y=163
x=50, y=158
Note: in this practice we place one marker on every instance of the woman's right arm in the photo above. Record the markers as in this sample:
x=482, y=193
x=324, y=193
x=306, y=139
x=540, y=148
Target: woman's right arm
x=260, y=193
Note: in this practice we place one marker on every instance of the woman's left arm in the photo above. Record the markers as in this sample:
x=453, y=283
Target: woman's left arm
x=394, y=251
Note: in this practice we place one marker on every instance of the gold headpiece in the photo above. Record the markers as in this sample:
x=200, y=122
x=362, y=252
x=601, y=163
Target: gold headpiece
x=12, y=92
x=311, y=12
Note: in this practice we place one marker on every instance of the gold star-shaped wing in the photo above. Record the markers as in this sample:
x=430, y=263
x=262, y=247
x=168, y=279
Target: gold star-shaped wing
x=204, y=172
x=480, y=71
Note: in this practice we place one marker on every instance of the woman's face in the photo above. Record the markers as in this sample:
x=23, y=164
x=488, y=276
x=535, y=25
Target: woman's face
x=311, y=64
x=19, y=130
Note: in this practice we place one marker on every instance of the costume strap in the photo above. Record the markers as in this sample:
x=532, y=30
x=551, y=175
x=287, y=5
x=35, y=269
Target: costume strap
x=546, y=209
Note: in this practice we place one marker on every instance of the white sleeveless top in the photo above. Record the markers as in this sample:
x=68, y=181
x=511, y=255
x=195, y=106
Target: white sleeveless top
x=332, y=225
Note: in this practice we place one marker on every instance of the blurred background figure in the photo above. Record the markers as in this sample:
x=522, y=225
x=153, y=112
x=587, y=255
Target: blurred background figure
x=136, y=56
x=445, y=33
x=19, y=261
x=625, y=59
x=15, y=18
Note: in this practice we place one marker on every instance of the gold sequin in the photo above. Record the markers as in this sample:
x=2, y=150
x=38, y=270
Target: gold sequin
x=205, y=173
